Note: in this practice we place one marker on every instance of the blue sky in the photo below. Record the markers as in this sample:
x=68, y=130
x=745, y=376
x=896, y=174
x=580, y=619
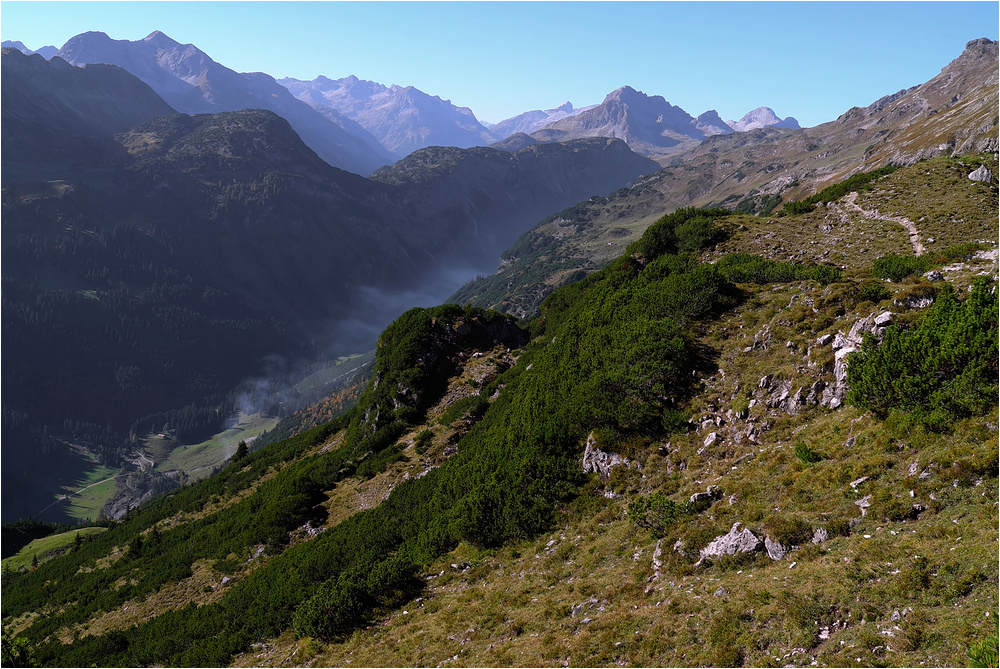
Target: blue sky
x=810, y=60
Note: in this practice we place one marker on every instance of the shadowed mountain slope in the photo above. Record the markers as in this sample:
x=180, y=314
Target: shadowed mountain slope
x=193, y=83
x=157, y=268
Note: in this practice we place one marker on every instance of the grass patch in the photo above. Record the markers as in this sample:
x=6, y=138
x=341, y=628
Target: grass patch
x=47, y=548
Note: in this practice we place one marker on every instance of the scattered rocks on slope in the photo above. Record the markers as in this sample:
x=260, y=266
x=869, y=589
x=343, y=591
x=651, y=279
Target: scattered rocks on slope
x=844, y=345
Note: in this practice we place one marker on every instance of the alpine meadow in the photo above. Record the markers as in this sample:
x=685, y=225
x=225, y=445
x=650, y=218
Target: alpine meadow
x=330, y=372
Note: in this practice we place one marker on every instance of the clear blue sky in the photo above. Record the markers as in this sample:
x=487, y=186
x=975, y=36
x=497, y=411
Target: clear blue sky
x=810, y=60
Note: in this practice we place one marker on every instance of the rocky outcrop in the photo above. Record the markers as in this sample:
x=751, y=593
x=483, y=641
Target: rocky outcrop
x=844, y=346
x=712, y=493
x=596, y=461
x=982, y=174
x=775, y=549
x=738, y=540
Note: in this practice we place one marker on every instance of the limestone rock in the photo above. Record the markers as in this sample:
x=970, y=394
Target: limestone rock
x=982, y=174
x=820, y=535
x=775, y=549
x=864, y=503
x=712, y=493
x=739, y=540
x=596, y=461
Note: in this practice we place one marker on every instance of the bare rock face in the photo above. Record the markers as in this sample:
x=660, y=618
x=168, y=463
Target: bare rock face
x=596, y=461
x=739, y=540
x=712, y=493
x=775, y=549
x=982, y=174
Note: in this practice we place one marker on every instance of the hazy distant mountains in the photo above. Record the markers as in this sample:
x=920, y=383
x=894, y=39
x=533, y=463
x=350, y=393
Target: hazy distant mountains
x=649, y=124
x=762, y=117
x=192, y=83
x=45, y=52
x=362, y=125
x=403, y=119
x=152, y=259
x=530, y=121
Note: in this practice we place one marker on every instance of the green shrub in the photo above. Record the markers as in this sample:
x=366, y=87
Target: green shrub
x=656, y=513
x=423, y=440
x=869, y=291
x=963, y=251
x=984, y=652
x=788, y=530
x=940, y=371
x=472, y=406
x=806, y=454
x=896, y=268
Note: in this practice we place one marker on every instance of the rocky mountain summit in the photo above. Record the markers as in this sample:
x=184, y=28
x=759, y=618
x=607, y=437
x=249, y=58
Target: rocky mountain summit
x=762, y=117
x=402, y=118
x=192, y=83
x=648, y=124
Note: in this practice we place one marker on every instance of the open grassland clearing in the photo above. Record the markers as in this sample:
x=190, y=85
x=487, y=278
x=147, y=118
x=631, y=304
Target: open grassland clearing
x=48, y=547
x=198, y=460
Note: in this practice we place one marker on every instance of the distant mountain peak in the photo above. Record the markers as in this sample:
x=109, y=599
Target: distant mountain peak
x=711, y=123
x=762, y=117
x=981, y=48
x=161, y=40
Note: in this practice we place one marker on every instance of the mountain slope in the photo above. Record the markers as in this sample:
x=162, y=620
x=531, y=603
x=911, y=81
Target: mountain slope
x=705, y=503
x=955, y=112
x=54, y=112
x=193, y=83
x=499, y=192
x=403, y=119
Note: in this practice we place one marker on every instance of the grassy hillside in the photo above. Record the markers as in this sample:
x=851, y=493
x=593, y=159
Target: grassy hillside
x=550, y=492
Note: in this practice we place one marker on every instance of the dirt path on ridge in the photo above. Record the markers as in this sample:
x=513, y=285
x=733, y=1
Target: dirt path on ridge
x=911, y=228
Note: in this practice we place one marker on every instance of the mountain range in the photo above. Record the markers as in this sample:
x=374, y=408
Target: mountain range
x=361, y=125
x=741, y=409
x=403, y=119
x=191, y=82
